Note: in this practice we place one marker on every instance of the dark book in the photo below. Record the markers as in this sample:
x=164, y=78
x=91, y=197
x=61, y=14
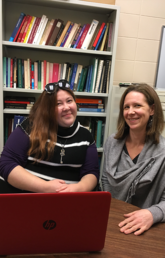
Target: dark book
x=19, y=65
x=59, y=34
x=18, y=120
x=51, y=32
x=55, y=31
x=19, y=99
x=20, y=19
x=106, y=63
x=14, y=72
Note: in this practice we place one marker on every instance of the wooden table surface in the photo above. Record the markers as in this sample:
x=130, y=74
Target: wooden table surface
x=151, y=244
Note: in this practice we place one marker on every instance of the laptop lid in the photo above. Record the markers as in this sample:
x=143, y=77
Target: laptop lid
x=53, y=222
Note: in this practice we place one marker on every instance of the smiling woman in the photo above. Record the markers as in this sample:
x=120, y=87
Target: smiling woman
x=134, y=164
x=50, y=151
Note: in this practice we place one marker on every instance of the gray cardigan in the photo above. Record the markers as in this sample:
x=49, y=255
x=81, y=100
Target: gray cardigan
x=143, y=183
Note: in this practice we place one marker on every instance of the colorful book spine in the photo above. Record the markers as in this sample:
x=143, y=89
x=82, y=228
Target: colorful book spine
x=33, y=31
x=39, y=74
x=83, y=36
x=7, y=72
x=89, y=35
x=79, y=36
x=63, y=33
x=26, y=29
x=35, y=75
x=98, y=35
x=76, y=37
x=81, y=88
x=17, y=27
x=92, y=110
x=104, y=38
x=23, y=29
x=4, y=71
x=66, y=35
x=73, y=76
x=29, y=29
x=20, y=27
x=11, y=73
x=102, y=34
x=85, y=100
x=32, y=77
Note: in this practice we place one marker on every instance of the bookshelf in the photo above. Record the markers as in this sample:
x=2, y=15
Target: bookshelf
x=76, y=11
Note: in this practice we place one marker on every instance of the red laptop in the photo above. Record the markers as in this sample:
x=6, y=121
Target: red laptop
x=53, y=223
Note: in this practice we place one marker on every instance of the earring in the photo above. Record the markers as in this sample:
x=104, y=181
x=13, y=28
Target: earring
x=150, y=121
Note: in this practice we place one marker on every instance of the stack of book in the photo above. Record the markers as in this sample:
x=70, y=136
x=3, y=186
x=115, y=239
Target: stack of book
x=20, y=73
x=18, y=102
x=40, y=30
x=11, y=124
x=90, y=105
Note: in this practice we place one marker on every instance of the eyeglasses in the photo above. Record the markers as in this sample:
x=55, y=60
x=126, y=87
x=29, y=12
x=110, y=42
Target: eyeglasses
x=50, y=87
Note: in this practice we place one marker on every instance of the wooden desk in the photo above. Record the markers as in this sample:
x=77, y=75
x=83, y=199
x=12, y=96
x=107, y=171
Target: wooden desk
x=151, y=244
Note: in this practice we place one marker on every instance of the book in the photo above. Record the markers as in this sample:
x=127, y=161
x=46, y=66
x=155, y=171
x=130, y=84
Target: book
x=46, y=32
x=19, y=65
x=29, y=29
x=15, y=72
x=28, y=73
x=55, y=31
x=68, y=66
x=98, y=135
x=108, y=77
x=20, y=27
x=43, y=18
x=50, y=72
x=71, y=35
x=18, y=120
x=20, y=19
x=83, y=80
x=94, y=37
x=35, y=75
x=106, y=62
x=92, y=110
x=87, y=80
x=23, y=28
x=104, y=38
x=101, y=36
x=26, y=28
x=79, y=82
x=63, y=33
x=90, y=105
x=99, y=70
x=34, y=30
x=110, y=36
x=39, y=74
x=89, y=100
x=25, y=74
x=47, y=72
x=32, y=76
x=42, y=30
x=82, y=38
x=11, y=73
x=98, y=35
x=9, y=62
x=15, y=99
x=79, y=36
x=73, y=76
x=4, y=71
x=102, y=78
x=79, y=69
x=55, y=72
x=94, y=62
x=67, y=35
x=76, y=36
x=89, y=35
x=59, y=34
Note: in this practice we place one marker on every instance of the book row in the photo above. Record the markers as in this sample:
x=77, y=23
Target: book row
x=20, y=73
x=95, y=126
x=83, y=104
x=42, y=31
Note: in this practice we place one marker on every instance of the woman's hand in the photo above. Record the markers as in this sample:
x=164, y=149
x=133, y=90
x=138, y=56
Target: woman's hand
x=54, y=185
x=137, y=221
x=68, y=188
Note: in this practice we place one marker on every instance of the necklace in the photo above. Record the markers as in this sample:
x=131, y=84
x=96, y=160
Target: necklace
x=62, y=153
